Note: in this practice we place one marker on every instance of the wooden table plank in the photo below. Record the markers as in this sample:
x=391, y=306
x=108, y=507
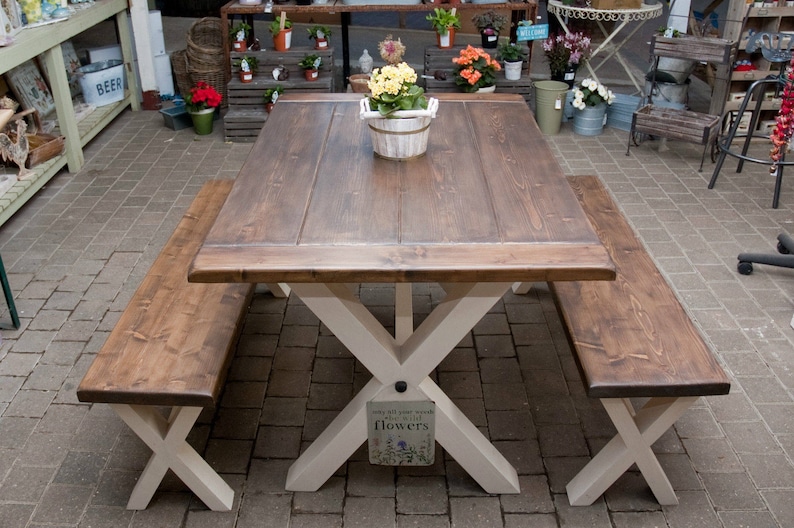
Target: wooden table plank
x=487, y=202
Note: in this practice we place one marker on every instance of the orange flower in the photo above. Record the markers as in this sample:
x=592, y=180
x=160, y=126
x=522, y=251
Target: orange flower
x=476, y=69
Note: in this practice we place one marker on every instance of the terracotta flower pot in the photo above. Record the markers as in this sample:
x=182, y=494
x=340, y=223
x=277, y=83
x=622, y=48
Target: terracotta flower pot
x=283, y=40
x=320, y=43
x=239, y=45
x=311, y=75
x=269, y=107
x=246, y=77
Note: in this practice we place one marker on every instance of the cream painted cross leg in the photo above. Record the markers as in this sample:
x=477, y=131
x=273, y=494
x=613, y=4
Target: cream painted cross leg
x=391, y=360
x=636, y=433
x=279, y=290
x=167, y=439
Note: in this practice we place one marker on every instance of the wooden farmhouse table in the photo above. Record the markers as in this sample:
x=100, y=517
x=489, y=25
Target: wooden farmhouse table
x=487, y=206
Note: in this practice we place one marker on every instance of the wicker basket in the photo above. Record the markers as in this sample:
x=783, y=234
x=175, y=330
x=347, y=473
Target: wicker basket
x=180, y=69
x=206, y=32
x=205, y=44
x=204, y=55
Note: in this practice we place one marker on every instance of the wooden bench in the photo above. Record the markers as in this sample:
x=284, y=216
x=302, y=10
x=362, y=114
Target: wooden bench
x=246, y=114
x=440, y=59
x=172, y=347
x=631, y=338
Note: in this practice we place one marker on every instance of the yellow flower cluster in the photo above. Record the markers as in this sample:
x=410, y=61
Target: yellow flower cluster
x=393, y=80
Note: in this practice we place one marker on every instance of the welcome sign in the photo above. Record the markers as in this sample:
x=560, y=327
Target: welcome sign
x=526, y=31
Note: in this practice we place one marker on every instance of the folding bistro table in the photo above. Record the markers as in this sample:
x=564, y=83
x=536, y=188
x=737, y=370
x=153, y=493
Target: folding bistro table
x=486, y=207
x=621, y=18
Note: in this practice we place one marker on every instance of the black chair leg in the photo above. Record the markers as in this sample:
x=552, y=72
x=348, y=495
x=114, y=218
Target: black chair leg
x=9, y=295
x=778, y=183
x=783, y=259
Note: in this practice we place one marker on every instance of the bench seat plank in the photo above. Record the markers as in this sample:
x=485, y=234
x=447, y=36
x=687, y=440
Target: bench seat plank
x=171, y=345
x=631, y=338
x=649, y=347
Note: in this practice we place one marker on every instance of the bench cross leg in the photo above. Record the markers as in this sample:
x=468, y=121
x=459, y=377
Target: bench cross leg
x=636, y=433
x=166, y=438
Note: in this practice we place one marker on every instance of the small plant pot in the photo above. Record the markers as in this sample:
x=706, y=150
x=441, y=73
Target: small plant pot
x=283, y=40
x=269, y=107
x=320, y=43
x=359, y=81
x=446, y=41
x=311, y=75
x=489, y=39
x=513, y=70
x=246, y=77
x=239, y=45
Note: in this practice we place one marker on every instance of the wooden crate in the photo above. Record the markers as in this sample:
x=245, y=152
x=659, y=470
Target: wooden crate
x=437, y=59
x=701, y=49
x=43, y=147
x=694, y=127
x=244, y=125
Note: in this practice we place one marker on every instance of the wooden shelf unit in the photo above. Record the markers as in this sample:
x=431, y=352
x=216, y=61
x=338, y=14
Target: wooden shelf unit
x=246, y=114
x=32, y=42
x=772, y=18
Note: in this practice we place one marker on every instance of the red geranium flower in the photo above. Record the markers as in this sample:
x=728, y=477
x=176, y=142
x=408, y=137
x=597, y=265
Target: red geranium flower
x=202, y=96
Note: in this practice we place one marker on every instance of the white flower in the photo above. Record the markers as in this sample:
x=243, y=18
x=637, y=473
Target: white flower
x=578, y=94
x=602, y=91
x=592, y=86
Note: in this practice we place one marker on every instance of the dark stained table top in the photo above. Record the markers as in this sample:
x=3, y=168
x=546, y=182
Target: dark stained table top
x=488, y=202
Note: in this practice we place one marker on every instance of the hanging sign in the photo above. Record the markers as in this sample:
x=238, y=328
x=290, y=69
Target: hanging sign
x=401, y=433
x=531, y=32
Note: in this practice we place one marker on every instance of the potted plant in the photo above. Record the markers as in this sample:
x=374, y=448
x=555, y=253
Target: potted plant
x=320, y=36
x=513, y=55
x=475, y=70
x=281, y=29
x=270, y=97
x=239, y=36
x=565, y=52
x=247, y=67
x=397, y=112
x=311, y=66
x=445, y=23
x=489, y=24
x=201, y=102
x=590, y=101
x=391, y=50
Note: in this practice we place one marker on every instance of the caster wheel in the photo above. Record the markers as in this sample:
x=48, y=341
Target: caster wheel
x=782, y=249
x=745, y=268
